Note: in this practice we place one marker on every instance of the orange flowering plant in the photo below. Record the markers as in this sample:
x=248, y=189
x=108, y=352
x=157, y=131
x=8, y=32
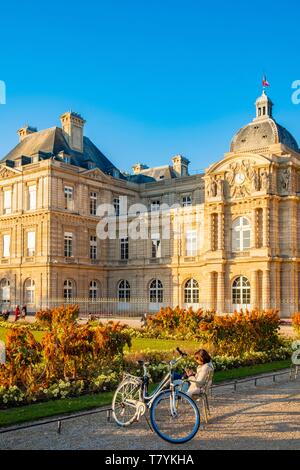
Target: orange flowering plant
x=296, y=323
x=233, y=334
x=69, y=353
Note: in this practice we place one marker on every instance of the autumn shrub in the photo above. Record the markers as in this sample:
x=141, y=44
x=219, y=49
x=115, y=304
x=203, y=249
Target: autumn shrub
x=90, y=355
x=233, y=334
x=23, y=361
x=296, y=323
x=184, y=323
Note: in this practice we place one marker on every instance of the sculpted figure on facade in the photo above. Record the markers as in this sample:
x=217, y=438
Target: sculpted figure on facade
x=255, y=180
x=211, y=190
x=220, y=187
x=285, y=180
x=265, y=180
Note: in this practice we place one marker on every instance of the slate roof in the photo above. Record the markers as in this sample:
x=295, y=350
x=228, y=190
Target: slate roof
x=260, y=134
x=52, y=141
x=159, y=172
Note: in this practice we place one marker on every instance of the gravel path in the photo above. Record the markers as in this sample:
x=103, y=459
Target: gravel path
x=263, y=417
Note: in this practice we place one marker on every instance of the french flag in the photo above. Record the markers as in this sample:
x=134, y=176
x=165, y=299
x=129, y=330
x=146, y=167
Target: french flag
x=265, y=81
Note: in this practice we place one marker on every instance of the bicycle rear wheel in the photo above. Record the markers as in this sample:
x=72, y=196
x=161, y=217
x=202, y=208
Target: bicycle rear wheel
x=175, y=419
x=124, y=404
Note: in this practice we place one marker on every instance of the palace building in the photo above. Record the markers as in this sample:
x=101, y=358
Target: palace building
x=240, y=249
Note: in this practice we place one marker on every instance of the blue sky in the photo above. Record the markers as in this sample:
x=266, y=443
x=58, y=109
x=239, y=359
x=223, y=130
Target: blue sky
x=152, y=78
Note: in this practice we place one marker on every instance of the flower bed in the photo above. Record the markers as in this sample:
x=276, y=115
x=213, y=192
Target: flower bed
x=221, y=362
x=233, y=334
x=28, y=326
x=71, y=359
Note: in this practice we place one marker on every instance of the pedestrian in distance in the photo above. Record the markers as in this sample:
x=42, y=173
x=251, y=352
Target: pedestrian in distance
x=24, y=312
x=17, y=313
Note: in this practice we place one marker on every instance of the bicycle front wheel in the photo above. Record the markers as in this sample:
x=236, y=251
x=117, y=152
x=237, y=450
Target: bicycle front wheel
x=124, y=404
x=175, y=417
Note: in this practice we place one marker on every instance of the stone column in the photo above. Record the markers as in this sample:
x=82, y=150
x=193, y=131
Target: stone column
x=212, y=291
x=266, y=289
x=253, y=229
x=295, y=288
x=221, y=292
x=210, y=231
x=220, y=231
x=265, y=227
x=254, y=289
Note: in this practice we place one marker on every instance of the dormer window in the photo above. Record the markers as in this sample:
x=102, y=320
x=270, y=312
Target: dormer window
x=91, y=165
x=67, y=159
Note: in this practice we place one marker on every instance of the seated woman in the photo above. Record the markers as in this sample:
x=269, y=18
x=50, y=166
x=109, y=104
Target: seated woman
x=198, y=379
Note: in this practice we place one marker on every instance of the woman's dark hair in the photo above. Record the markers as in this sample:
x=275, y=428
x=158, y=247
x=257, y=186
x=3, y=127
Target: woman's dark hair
x=203, y=354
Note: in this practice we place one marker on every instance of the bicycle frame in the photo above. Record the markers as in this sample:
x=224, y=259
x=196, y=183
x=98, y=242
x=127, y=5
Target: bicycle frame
x=166, y=381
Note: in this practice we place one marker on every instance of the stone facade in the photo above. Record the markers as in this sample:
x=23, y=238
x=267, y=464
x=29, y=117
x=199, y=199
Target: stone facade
x=240, y=247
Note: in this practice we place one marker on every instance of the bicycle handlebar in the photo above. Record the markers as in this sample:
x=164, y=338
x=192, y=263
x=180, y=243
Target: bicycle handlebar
x=182, y=353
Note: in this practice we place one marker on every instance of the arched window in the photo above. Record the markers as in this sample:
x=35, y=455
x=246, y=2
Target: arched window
x=69, y=289
x=29, y=291
x=241, y=231
x=124, y=291
x=94, y=290
x=241, y=293
x=5, y=291
x=156, y=291
x=191, y=292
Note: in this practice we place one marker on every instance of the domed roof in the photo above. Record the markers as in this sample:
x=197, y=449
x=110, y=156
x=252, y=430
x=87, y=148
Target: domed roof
x=263, y=131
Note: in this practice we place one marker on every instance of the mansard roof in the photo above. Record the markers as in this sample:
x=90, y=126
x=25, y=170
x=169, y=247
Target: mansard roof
x=50, y=142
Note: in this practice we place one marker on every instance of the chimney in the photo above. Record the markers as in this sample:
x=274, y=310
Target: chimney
x=138, y=167
x=180, y=165
x=25, y=131
x=72, y=126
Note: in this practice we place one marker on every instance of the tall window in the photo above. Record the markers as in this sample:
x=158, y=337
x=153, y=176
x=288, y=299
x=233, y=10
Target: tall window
x=29, y=291
x=117, y=206
x=124, y=291
x=191, y=243
x=186, y=201
x=5, y=291
x=7, y=201
x=93, y=203
x=241, y=231
x=93, y=247
x=68, y=244
x=6, y=246
x=191, y=292
x=156, y=292
x=69, y=289
x=30, y=243
x=241, y=293
x=94, y=290
x=69, y=198
x=155, y=205
x=155, y=246
x=124, y=248
x=32, y=197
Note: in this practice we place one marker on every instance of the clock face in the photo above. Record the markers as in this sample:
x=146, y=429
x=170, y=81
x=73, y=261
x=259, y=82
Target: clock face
x=239, y=178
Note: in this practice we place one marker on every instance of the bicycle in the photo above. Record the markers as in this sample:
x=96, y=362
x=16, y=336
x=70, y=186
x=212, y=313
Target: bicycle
x=174, y=416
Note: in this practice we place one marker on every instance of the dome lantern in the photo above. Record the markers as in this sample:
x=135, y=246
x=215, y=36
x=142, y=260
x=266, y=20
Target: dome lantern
x=264, y=107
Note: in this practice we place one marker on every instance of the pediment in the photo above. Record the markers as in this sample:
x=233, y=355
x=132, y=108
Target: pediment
x=94, y=173
x=7, y=172
x=242, y=159
x=238, y=175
